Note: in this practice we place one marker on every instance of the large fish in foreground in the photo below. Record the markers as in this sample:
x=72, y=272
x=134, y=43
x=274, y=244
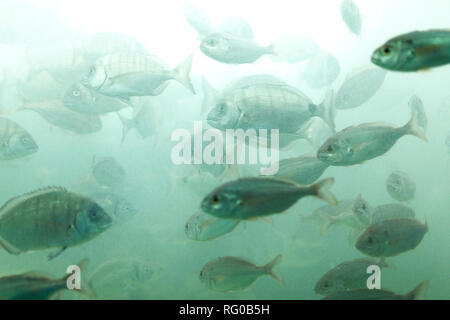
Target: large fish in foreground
x=250, y=198
x=381, y=294
x=355, y=145
x=38, y=286
x=414, y=51
x=15, y=141
x=50, y=218
x=228, y=274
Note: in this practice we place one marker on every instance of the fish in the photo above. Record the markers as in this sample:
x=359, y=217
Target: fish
x=15, y=141
x=304, y=170
x=145, y=120
x=51, y=217
x=400, y=186
x=204, y=227
x=347, y=275
x=351, y=16
x=229, y=274
x=359, y=86
x=266, y=102
x=391, y=237
x=414, y=51
x=391, y=211
x=250, y=198
x=107, y=172
x=117, y=207
x=81, y=99
x=416, y=105
x=321, y=70
x=354, y=145
x=379, y=294
x=100, y=44
x=38, y=286
x=54, y=112
x=116, y=278
x=228, y=48
x=135, y=74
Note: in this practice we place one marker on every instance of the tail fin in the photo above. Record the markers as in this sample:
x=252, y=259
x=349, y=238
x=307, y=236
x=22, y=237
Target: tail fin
x=419, y=292
x=413, y=127
x=327, y=111
x=85, y=287
x=209, y=96
x=127, y=124
x=321, y=190
x=269, y=269
x=182, y=73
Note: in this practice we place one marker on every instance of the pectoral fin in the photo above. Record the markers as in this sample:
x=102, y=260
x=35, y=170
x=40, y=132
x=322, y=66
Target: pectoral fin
x=55, y=254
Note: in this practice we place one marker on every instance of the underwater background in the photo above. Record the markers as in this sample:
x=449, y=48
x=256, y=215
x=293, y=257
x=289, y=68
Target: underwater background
x=165, y=195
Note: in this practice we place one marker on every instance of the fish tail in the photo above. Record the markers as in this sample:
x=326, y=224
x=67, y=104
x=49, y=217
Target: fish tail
x=326, y=225
x=209, y=96
x=321, y=190
x=419, y=292
x=85, y=287
x=327, y=111
x=269, y=269
x=182, y=73
x=413, y=127
x=127, y=124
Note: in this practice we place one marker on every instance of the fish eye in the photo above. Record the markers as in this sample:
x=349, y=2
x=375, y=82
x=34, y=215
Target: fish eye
x=25, y=140
x=325, y=284
x=370, y=240
x=92, y=70
x=330, y=149
x=212, y=42
x=215, y=199
x=386, y=50
x=76, y=93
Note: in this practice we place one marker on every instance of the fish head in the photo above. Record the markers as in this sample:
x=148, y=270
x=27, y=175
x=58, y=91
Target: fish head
x=225, y=115
x=78, y=97
x=18, y=145
x=394, y=55
x=95, y=77
x=325, y=285
x=124, y=209
x=334, y=150
x=361, y=210
x=221, y=203
x=370, y=243
x=216, y=46
x=92, y=219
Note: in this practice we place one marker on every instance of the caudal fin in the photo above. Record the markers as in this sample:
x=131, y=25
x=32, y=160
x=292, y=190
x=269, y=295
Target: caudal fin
x=269, y=269
x=413, y=127
x=327, y=111
x=182, y=73
x=321, y=190
x=419, y=292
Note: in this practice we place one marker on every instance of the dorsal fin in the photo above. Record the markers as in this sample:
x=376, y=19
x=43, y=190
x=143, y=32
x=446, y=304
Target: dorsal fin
x=16, y=200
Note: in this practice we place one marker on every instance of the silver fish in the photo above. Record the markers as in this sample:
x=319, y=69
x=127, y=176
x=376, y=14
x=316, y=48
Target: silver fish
x=355, y=145
x=303, y=170
x=49, y=218
x=57, y=114
x=321, y=70
x=38, y=286
x=135, y=74
x=359, y=86
x=391, y=237
x=81, y=99
x=204, y=227
x=249, y=198
x=265, y=102
x=368, y=294
x=347, y=275
x=15, y=141
x=351, y=16
x=108, y=172
x=228, y=274
x=117, y=207
x=391, y=211
x=198, y=20
x=400, y=186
